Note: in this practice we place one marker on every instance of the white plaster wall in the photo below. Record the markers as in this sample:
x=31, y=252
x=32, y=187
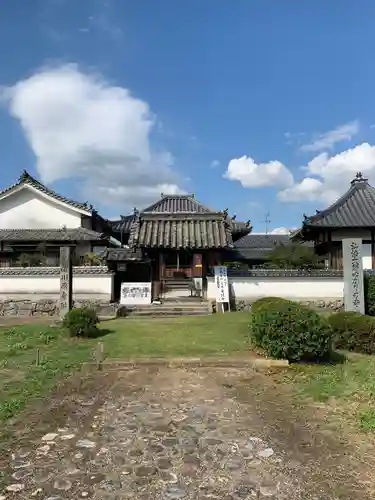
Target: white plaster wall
x=291, y=288
x=27, y=209
x=91, y=286
x=366, y=256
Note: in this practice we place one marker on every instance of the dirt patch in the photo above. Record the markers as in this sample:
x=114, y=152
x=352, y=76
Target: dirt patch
x=312, y=434
x=179, y=433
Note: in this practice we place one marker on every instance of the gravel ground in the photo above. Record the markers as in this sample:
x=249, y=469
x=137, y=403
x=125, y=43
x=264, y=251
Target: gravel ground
x=177, y=433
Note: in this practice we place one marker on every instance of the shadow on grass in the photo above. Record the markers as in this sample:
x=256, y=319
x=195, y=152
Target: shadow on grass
x=98, y=333
x=335, y=358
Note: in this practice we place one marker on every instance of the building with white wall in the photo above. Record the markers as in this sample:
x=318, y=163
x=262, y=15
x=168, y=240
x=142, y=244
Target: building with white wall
x=351, y=216
x=35, y=222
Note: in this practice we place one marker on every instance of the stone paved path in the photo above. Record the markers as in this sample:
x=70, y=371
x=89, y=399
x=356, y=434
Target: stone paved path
x=166, y=434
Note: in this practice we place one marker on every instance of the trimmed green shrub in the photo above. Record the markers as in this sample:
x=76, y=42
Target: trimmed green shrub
x=286, y=329
x=353, y=331
x=81, y=322
x=369, y=292
x=264, y=302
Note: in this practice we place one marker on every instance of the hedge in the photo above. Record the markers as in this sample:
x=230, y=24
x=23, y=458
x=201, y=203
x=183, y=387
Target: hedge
x=353, y=331
x=286, y=329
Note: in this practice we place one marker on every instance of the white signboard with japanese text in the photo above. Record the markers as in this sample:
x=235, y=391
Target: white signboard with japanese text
x=135, y=294
x=222, y=286
x=353, y=275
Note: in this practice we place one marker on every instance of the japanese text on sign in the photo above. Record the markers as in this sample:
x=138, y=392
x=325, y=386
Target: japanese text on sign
x=135, y=293
x=353, y=275
x=222, y=286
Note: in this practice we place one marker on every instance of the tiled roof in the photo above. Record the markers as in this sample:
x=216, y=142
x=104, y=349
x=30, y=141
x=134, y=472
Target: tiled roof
x=194, y=231
x=356, y=208
x=241, y=227
x=124, y=224
x=124, y=254
x=177, y=204
x=55, y=271
x=68, y=234
x=26, y=178
x=259, y=246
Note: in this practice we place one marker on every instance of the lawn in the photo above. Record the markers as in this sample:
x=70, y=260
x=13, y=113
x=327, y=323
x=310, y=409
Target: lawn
x=22, y=379
x=348, y=388
x=218, y=334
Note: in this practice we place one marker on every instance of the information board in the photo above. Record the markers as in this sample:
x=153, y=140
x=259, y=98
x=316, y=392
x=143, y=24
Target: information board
x=135, y=293
x=222, y=287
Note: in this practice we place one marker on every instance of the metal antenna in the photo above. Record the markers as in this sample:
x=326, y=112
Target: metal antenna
x=267, y=221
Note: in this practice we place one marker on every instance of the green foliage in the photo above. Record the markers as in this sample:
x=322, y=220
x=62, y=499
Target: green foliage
x=81, y=322
x=293, y=256
x=266, y=302
x=369, y=286
x=353, y=331
x=31, y=260
x=285, y=329
x=92, y=259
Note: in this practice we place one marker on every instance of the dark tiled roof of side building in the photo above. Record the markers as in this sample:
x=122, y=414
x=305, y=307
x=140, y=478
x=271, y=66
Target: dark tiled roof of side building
x=356, y=208
x=259, y=246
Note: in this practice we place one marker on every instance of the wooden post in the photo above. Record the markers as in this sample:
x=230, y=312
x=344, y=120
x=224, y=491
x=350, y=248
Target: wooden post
x=65, y=281
x=37, y=361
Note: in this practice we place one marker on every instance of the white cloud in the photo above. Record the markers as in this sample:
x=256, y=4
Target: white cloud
x=255, y=175
x=80, y=126
x=328, y=177
x=215, y=164
x=327, y=140
x=281, y=230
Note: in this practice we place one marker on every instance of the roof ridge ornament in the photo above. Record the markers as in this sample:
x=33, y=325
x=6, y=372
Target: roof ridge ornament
x=24, y=175
x=358, y=178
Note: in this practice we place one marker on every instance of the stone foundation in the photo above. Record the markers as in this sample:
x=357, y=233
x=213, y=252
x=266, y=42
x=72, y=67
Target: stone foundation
x=50, y=307
x=319, y=304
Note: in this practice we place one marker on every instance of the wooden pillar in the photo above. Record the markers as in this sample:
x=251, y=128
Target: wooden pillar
x=373, y=248
x=66, y=281
x=331, y=259
x=197, y=265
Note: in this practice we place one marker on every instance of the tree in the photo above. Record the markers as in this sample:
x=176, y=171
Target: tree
x=294, y=256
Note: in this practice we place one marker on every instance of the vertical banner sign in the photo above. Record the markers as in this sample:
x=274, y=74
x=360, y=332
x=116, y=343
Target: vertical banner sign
x=221, y=280
x=353, y=275
x=65, y=281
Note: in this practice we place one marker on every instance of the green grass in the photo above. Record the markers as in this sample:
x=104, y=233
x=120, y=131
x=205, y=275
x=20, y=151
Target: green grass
x=22, y=381
x=20, y=377
x=350, y=385
x=218, y=334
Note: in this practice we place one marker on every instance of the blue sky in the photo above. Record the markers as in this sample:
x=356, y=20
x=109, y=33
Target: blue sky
x=255, y=105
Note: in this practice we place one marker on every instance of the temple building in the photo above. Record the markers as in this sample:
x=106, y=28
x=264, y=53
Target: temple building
x=351, y=216
x=35, y=222
x=178, y=240
x=254, y=250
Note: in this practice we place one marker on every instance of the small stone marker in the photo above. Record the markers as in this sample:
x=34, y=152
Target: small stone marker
x=99, y=355
x=65, y=280
x=353, y=275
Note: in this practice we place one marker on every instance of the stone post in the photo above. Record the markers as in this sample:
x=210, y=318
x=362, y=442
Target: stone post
x=66, y=280
x=353, y=275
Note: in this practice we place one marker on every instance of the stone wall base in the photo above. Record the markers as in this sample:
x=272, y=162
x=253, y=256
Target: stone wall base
x=319, y=304
x=50, y=307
